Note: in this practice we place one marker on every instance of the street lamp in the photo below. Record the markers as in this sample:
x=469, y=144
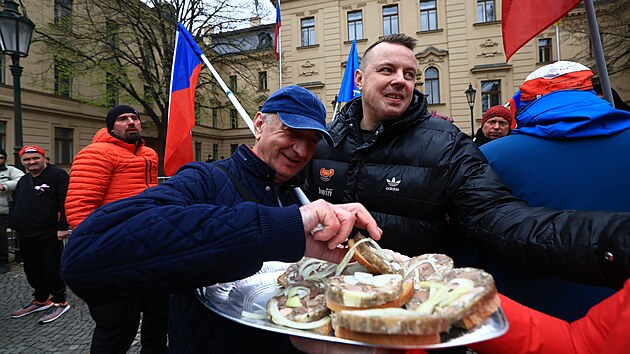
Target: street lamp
x=470, y=97
x=15, y=39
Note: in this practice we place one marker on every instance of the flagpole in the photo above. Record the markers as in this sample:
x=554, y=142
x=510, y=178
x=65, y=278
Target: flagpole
x=599, y=51
x=558, y=39
x=250, y=124
x=335, y=110
x=280, y=52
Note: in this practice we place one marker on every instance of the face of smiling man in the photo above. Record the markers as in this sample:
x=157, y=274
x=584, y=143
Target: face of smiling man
x=386, y=82
x=285, y=149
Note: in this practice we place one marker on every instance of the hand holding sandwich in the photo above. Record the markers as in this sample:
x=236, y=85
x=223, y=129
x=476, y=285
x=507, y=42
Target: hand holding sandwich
x=337, y=221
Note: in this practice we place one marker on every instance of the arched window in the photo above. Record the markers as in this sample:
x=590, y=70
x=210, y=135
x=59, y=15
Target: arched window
x=432, y=85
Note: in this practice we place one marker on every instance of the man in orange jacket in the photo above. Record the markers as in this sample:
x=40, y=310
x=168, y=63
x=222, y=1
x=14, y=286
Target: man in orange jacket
x=117, y=165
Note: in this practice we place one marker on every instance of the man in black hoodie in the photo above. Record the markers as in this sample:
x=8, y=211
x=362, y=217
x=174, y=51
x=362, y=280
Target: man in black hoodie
x=40, y=220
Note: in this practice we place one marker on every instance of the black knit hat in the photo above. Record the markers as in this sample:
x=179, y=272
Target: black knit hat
x=3, y=153
x=115, y=112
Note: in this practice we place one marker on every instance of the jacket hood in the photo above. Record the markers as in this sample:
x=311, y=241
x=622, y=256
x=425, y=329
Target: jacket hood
x=103, y=136
x=581, y=114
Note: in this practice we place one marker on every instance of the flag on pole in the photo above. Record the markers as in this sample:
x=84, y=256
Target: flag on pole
x=523, y=20
x=349, y=89
x=276, y=39
x=181, y=108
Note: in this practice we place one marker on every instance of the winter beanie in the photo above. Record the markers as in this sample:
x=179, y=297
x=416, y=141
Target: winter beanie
x=497, y=111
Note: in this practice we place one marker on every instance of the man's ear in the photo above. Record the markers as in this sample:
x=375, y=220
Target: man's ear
x=358, y=79
x=259, y=120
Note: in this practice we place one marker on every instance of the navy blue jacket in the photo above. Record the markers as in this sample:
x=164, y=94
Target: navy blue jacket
x=574, y=155
x=192, y=231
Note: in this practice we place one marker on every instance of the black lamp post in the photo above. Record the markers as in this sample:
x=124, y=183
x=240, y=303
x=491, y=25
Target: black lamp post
x=470, y=97
x=15, y=38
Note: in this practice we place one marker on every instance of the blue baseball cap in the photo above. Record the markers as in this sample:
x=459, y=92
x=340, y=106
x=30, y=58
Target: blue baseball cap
x=298, y=108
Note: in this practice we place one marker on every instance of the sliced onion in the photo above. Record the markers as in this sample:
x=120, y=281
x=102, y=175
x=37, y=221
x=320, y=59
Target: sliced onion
x=279, y=319
x=346, y=259
x=253, y=315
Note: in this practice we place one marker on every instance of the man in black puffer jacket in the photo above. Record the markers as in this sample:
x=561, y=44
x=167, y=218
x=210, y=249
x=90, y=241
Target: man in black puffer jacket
x=419, y=175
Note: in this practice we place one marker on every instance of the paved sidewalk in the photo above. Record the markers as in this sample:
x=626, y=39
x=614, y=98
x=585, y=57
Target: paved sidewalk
x=71, y=333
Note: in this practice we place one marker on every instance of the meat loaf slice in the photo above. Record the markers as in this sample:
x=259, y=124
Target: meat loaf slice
x=430, y=266
x=299, y=306
x=466, y=296
x=371, y=256
x=363, y=290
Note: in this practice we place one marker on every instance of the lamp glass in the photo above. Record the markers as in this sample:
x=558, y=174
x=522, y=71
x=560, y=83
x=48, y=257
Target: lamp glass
x=470, y=95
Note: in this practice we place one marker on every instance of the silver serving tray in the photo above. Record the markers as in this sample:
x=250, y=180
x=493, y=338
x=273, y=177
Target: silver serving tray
x=231, y=299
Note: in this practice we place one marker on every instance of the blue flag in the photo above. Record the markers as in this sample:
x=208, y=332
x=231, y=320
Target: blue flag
x=348, y=89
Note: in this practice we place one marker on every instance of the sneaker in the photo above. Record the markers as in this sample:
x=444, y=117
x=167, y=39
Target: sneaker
x=4, y=268
x=34, y=306
x=54, y=312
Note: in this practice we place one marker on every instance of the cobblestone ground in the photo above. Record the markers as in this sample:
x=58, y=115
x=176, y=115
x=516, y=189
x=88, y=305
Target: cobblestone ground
x=70, y=334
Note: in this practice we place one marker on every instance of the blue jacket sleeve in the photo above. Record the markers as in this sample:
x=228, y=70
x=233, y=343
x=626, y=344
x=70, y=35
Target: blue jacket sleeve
x=175, y=237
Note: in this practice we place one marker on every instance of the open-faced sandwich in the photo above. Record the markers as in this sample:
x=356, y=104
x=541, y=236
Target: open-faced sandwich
x=383, y=299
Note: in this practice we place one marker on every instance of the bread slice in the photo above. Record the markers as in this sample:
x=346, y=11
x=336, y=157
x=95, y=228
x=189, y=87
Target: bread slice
x=389, y=326
x=362, y=290
x=466, y=297
x=372, y=257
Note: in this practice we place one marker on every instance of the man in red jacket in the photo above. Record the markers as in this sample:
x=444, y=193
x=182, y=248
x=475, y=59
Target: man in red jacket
x=117, y=165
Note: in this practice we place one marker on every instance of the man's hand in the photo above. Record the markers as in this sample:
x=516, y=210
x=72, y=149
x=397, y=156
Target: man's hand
x=337, y=222
x=62, y=234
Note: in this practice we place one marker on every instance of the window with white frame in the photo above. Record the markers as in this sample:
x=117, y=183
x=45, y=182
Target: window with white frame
x=428, y=15
x=544, y=50
x=485, y=11
x=390, y=19
x=432, y=85
x=490, y=94
x=355, y=25
x=308, y=31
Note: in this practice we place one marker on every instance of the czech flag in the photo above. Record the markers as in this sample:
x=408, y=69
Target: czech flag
x=522, y=20
x=276, y=39
x=181, y=109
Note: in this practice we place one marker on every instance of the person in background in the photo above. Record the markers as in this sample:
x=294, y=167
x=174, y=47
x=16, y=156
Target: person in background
x=40, y=220
x=560, y=157
x=9, y=177
x=431, y=190
x=618, y=101
x=214, y=223
x=210, y=159
x=116, y=165
x=495, y=124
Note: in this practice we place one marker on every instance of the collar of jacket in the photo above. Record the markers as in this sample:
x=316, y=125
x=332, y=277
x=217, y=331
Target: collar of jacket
x=571, y=114
x=349, y=118
x=103, y=136
x=245, y=158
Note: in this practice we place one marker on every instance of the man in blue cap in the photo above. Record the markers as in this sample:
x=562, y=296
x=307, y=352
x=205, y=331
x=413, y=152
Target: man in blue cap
x=216, y=222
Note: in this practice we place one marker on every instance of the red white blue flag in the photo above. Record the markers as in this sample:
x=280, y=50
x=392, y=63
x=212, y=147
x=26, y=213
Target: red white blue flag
x=181, y=109
x=276, y=39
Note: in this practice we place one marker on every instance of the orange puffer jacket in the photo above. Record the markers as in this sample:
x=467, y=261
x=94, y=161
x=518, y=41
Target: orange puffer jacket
x=107, y=170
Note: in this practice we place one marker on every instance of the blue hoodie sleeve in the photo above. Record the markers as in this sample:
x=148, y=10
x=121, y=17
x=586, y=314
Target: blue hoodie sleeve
x=175, y=237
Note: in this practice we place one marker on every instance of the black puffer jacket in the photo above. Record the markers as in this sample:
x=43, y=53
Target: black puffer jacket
x=416, y=172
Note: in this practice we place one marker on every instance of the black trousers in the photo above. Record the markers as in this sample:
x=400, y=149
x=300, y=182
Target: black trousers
x=42, y=258
x=117, y=324
x=4, y=242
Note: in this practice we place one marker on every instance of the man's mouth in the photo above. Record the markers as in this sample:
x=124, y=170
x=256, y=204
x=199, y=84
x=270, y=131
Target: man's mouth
x=395, y=96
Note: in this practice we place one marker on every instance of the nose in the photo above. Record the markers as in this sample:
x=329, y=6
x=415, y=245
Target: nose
x=301, y=147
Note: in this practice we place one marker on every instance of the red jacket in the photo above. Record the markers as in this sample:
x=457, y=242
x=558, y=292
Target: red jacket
x=107, y=170
x=604, y=329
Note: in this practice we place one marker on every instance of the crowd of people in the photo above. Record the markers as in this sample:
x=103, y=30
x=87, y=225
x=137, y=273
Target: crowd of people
x=537, y=198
